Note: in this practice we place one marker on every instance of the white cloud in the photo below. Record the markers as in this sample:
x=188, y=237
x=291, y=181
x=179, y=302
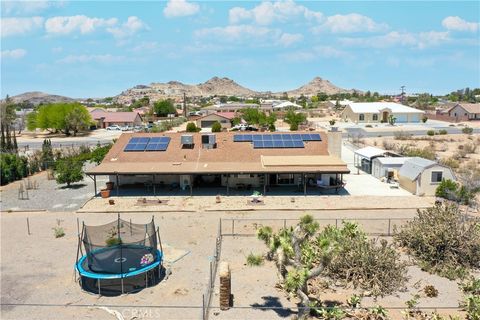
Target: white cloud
x=420, y=40
x=316, y=52
x=287, y=39
x=80, y=23
x=14, y=54
x=238, y=33
x=268, y=12
x=180, y=8
x=350, y=23
x=19, y=26
x=28, y=7
x=101, y=58
x=129, y=28
x=458, y=24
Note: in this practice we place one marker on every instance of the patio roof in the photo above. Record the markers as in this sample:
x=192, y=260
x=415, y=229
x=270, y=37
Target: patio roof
x=370, y=152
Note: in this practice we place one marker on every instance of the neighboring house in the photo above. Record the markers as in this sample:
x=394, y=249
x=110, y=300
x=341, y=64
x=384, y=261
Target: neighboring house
x=228, y=107
x=223, y=160
x=225, y=119
x=422, y=176
x=385, y=167
x=142, y=111
x=105, y=119
x=470, y=111
x=286, y=105
x=338, y=103
x=375, y=112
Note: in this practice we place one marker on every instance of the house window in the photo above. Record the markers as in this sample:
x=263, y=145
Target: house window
x=361, y=117
x=437, y=176
x=375, y=117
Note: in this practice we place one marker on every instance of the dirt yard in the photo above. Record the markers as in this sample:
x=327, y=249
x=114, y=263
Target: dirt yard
x=38, y=269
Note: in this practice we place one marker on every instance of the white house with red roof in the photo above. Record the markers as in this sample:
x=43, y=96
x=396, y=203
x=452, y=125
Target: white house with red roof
x=105, y=119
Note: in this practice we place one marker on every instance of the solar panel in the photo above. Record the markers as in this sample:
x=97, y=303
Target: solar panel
x=315, y=137
x=298, y=144
x=267, y=137
x=268, y=144
x=277, y=137
x=257, y=144
x=286, y=137
x=257, y=137
x=297, y=137
x=158, y=144
x=130, y=147
x=277, y=144
x=242, y=138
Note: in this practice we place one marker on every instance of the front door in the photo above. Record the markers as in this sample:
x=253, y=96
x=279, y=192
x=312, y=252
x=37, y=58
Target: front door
x=385, y=116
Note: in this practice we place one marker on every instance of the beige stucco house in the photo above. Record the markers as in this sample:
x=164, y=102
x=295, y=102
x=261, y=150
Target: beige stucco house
x=375, y=112
x=422, y=176
x=225, y=119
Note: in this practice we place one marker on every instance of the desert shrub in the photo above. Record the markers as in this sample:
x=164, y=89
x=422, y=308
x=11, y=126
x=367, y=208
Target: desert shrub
x=113, y=241
x=68, y=170
x=443, y=240
x=431, y=132
x=471, y=304
x=254, y=259
x=471, y=285
x=443, y=132
x=447, y=189
x=369, y=264
x=191, y=127
x=368, y=126
x=58, y=232
x=424, y=119
x=430, y=291
x=388, y=145
x=427, y=153
x=12, y=167
x=450, y=162
x=402, y=135
x=470, y=148
x=467, y=130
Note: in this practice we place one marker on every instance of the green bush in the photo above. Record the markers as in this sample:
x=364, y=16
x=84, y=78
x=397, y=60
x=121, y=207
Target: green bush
x=58, y=232
x=443, y=240
x=447, y=189
x=68, y=171
x=191, y=127
x=254, y=259
x=443, y=132
x=216, y=127
x=424, y=119
x=467, y=130
x=113, y=241
x=431, y=132
x=13, y=167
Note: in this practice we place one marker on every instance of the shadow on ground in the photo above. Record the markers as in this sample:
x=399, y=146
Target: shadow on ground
x=273, y=303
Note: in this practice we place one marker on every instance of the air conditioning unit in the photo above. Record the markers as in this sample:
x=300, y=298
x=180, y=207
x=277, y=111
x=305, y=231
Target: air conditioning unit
x=209, y=141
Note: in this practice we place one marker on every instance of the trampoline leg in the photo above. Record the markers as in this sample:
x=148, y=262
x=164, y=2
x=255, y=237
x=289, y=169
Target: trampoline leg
x=99, y=285
x=146, y=280
x=122, y=285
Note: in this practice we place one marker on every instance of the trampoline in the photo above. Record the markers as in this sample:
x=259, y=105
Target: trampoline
x=120, y=257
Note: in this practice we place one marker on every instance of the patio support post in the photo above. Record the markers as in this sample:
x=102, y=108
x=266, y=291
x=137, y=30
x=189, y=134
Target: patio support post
x=228, y=186
x=264, y=184
x=95, y=185
x=116, y=175
x=153, y=184
x=304, y=184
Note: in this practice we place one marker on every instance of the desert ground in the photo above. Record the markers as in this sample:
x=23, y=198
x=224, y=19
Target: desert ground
x=38, y=269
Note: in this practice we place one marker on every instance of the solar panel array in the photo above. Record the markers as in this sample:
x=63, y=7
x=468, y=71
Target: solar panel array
x=147, y=144
x=280, y=140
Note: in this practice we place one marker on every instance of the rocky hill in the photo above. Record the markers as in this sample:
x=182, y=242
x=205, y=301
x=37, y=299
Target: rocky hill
x=224, y=86
x=318, y=85
x=37, y=97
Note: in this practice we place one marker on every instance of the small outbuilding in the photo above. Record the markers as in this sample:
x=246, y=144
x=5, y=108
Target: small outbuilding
x=387, y=167
x=362, y=158
x=422, y=176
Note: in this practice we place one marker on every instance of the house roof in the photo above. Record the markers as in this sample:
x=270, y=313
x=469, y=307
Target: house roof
x=376, y=107
x=227, y=157
x=226, y=115
x=413, y=167
x=392, y=160
x=287, y=104
x=114, y=116
x=370, y=152
x=469, y=107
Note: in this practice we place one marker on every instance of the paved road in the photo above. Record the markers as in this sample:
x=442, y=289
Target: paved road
x=364, y=133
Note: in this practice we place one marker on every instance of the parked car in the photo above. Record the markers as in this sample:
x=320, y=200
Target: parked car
x=127, y=128
x=114, y=127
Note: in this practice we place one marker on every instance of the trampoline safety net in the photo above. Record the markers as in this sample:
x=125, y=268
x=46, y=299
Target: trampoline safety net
x=120, y=246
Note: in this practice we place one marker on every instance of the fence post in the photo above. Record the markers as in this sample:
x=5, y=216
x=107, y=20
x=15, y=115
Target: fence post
x=28, y=226
x=336, y=223
x=233, y=227
x=203, y=307
x=389, y=221
x=284, y=223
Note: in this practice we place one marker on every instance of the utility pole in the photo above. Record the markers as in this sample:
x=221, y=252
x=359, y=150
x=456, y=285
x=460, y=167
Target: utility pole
x=402, y=95
x=184, y=105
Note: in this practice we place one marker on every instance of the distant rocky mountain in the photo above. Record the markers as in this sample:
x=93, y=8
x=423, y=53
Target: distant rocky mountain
x=37, y=97
x=224, y=86
x=318, y=85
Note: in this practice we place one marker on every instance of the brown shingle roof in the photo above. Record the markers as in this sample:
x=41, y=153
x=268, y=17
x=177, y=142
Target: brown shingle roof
x=471, y=107
x=114, y=116
x=228, y=157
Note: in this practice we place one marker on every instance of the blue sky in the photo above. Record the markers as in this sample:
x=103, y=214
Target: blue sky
x=99, y=48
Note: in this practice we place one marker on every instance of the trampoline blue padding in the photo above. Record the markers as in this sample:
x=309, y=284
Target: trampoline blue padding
x=109, y=259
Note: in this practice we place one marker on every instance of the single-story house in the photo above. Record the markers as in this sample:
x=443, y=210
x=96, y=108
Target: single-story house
x=422, y=176
x=105, y=119
x=286, y=105
x=363, y=157
x=384, y=167
x=374, y=112
x=222, y=160
x=338, y=103
x=228, y=107
x=471, y=111
x=225, y=119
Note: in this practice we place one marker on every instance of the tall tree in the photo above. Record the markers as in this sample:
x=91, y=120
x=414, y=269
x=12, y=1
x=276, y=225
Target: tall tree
x=163, y=108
